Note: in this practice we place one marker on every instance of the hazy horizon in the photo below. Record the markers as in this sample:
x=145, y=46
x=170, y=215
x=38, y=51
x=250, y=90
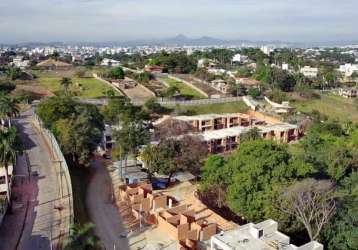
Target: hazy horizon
x=127, y=20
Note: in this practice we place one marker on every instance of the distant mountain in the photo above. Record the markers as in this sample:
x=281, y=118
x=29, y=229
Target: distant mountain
x=202, y=41
x=182, y=40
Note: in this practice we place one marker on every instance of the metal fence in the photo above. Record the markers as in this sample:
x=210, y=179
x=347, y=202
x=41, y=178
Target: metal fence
x=63, y=174
x=169, y=102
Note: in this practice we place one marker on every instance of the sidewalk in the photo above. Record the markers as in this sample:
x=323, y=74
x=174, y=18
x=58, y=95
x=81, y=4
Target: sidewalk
x=12, y=227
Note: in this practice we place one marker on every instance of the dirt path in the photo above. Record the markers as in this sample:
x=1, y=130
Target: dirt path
x=138, y=92
x=36, y=89
x=103, y=213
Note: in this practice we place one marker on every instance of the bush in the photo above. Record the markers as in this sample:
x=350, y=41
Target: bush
x=254, y=92
x=277, y=96
x=7, y=87
x=117, y=73
x=144, y=77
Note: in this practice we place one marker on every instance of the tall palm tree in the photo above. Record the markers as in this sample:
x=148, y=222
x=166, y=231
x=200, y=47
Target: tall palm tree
x=12, y=73
x=66, y=82
x=148, y=156
x=8, y=108
x=10, y=145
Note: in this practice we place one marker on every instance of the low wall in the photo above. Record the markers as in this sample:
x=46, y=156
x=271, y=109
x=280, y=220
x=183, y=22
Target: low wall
x=249, y=103
x=169, y=102
x=163, y=101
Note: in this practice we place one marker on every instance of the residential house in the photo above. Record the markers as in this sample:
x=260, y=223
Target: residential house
x=228, y=139
x=348, y=92
x=216, y=71
x=348, y=69
x=248, y=82
x=220, y=85
x=267, y=50
x=208, y=122
x=19, y=62
x=263, y=235
x=110, y=63
x=153, y=69
x=309, y=72
x=223, y=133
x=238, y=58
x=3, y=186
x=3, y=190
x=76, y=58
x=206, y=63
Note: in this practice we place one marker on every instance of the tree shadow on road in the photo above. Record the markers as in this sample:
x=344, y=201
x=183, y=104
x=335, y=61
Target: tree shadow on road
x=27, y=142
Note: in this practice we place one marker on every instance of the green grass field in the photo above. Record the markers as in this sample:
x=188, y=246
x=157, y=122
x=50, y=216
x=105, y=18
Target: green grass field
x=84, y=87
x=334, y=107
x=184, y=89
x=221, y=108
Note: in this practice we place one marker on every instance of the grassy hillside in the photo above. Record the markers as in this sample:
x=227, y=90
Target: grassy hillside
x=88, y=87
x=334, y=107
x=184, y=89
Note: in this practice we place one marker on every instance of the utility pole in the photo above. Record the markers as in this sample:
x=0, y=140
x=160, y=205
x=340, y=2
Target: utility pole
x=52, y=154
x=140, y=217
x=61, y=180
x=60, y=175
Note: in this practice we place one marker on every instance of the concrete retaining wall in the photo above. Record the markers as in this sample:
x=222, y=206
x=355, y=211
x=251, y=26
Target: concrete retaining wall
x=169, y=102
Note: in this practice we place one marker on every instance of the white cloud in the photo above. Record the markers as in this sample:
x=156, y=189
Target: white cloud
x=100, y=20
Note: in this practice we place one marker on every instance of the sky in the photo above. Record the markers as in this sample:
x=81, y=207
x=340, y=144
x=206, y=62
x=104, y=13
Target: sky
x=125, y=20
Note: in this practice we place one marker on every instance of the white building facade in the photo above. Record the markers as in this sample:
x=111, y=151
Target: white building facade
x=264, y=235
x=110, y=62
x=348, y=69
x=309, y=72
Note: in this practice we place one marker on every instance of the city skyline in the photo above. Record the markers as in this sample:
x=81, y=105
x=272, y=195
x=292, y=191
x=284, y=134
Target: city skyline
x=109, y=20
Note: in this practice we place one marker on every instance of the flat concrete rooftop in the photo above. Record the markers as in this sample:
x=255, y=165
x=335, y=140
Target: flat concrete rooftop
x=261, y=236
x=235, y=131
x=223, y=133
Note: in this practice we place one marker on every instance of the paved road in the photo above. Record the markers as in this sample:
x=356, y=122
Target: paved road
x=102, y=211
x=43, y=218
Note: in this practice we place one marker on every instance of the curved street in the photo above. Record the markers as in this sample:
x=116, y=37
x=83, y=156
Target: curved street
x=38, y=223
